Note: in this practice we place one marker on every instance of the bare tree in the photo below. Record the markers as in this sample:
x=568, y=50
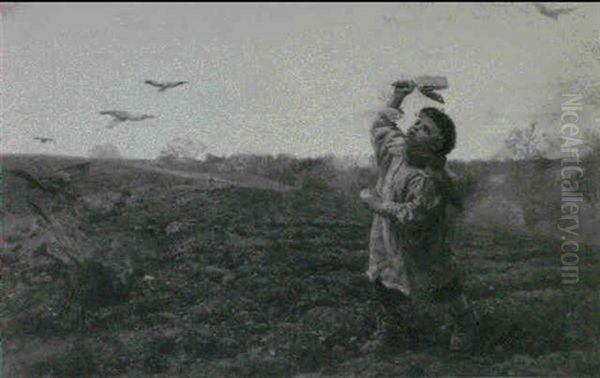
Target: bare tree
x=524, y=143
x=105, y=151
x=182, y=149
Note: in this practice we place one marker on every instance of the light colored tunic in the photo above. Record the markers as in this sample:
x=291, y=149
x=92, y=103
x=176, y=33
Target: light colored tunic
x=409, y=246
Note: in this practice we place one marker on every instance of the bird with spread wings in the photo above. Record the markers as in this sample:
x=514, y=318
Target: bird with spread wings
x=44, y=140
x=552, y=13
x=164, y=86
x=120, y=116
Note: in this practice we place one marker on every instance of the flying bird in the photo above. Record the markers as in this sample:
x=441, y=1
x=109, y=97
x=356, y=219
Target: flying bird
x=552, y=13
x=164, y=86
x=43, y=139
x=431, y=94
x=389, y=19
x=122, y=116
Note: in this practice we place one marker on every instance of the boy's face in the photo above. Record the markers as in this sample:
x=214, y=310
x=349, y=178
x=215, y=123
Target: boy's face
x=425, y=131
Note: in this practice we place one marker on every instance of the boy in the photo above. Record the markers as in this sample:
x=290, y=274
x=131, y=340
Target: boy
x=410, y=253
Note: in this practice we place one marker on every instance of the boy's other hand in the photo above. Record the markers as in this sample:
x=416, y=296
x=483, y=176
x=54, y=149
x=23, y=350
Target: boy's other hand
x=368, y=198
x=404, y=87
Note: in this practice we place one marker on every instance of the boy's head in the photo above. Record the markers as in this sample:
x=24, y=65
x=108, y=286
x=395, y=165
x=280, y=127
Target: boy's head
x=435, y=130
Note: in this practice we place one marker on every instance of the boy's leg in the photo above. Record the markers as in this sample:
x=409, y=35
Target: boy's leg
x=389, y=301
x=466, y=325
x=465, y=321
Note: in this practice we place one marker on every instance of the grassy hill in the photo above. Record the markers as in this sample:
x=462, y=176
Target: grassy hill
x=159, y=273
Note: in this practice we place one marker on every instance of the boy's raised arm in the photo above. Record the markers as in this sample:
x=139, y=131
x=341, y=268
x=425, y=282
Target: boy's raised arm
x=383, y=128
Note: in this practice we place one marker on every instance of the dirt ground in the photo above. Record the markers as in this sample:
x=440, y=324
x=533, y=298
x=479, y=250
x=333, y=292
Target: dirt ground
x=172, y=275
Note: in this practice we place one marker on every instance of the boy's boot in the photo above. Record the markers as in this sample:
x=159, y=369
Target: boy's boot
x=465, y=327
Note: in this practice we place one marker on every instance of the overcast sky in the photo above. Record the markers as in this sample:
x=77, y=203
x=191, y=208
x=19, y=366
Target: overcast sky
x=283, y=78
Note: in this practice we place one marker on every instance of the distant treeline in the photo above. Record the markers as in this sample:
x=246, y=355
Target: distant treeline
x=533, y=186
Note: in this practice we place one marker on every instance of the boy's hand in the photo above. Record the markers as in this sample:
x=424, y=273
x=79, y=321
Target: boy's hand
x=404, y=86
x=368, y=198
x=402, y=89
